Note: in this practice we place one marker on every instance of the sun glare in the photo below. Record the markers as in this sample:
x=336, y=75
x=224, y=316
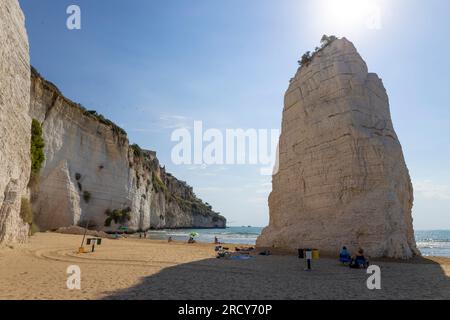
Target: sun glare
x=347, y=15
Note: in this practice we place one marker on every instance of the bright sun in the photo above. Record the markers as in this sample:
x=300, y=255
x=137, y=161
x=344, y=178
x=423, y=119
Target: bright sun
x=351, y=14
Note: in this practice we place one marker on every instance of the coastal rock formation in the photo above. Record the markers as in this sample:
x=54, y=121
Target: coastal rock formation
x=342, y=178
x=92, y=176
x=15, y=123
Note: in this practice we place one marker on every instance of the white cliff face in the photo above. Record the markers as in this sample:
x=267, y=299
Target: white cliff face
x=90, y=168
x=86, y=168
x=342, y=177
x=15, y=124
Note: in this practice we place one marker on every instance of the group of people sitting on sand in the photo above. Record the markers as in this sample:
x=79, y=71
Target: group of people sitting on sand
x=192, y=240
x=224, y=252
x=357, y=261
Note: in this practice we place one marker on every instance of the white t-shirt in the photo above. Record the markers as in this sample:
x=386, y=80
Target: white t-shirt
x=308, y=255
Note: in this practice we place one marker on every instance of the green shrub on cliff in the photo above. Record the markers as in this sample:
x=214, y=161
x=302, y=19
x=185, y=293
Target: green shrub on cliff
x=118, y=216
x=26, y=213
x=37, y=148
x=137, y=151
x=92, y=113
x=305, y=59
x=308, y=57
x=87, y=196
x=159, y=186
x=34, y=229
x=326, y=40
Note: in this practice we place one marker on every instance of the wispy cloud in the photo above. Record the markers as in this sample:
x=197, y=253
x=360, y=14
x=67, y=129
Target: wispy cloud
x=142, y=130
x=430, y=190
x=209, y=189
x=197, y=167
x=167, y=121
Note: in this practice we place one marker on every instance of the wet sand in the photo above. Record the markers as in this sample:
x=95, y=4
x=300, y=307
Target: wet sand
x=149, y=269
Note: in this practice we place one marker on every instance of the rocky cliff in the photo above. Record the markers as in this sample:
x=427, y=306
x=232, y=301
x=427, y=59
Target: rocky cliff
x=15, y=123
x=91, y=175
x=342, y=178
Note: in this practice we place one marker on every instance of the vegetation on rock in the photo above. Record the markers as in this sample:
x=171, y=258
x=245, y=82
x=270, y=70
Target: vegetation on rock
x=196, y=206
x=137, y=151
x=147, y=172
x=26, y=213
x=118, y=216
x=159, y=186
x=37, y=149
x=89, y=113
x=87, y=196
x=307, y=57
x=92, y=113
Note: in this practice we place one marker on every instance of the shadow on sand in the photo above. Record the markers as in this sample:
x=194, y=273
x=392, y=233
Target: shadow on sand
x=283, y=277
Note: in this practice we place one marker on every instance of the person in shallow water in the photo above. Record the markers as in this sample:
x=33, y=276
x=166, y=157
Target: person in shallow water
x=216, y=240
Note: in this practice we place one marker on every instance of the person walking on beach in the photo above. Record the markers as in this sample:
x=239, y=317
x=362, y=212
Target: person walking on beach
x=308, y=257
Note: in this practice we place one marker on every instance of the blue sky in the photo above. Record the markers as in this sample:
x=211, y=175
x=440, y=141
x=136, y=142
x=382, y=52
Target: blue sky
x=153, y=66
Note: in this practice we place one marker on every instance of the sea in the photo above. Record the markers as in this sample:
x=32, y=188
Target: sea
x=433, y=242
x=429, y=242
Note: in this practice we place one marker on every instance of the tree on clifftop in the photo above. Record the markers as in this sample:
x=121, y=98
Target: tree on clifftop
x=308, y=57
x=305, y=59
x=326, y=40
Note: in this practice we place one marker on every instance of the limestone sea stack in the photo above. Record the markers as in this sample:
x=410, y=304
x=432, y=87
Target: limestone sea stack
x=15, y=124
x=342, y=178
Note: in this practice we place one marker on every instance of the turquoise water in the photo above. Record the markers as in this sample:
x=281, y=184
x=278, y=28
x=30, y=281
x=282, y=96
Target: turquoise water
x=239, y=235
x=433, y=242
x=430, y=243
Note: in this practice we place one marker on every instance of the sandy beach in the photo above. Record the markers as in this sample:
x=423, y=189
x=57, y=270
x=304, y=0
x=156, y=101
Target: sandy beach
x=148, y=269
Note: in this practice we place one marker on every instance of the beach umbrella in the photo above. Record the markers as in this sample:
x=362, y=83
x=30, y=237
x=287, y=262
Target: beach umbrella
x=194, y=234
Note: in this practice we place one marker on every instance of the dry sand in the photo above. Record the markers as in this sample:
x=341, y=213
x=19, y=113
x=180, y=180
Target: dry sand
x=147, y=269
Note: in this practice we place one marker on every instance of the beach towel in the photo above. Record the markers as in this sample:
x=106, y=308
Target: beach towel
x=246, y=257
